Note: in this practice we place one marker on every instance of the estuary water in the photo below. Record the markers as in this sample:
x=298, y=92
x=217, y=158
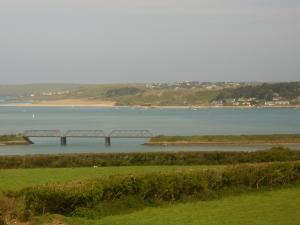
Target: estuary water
x=158, y=121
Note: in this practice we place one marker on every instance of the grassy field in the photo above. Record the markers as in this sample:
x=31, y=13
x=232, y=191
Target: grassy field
x=226, y=139
x=262, y=207
x=277, y=207
x=15, y=179
x=244, y=194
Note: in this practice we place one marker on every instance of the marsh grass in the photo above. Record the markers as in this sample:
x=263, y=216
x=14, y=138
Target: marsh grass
x=229, y=139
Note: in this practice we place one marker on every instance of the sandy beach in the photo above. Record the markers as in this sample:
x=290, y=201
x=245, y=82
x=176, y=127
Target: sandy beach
x=66, y=102
x=101, y=103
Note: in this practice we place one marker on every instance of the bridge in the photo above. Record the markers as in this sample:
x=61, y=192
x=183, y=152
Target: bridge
x=127, y=134
x=42, y=133
x=87, y=134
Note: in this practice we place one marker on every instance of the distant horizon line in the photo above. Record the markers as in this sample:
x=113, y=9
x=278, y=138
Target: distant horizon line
x=161, y=82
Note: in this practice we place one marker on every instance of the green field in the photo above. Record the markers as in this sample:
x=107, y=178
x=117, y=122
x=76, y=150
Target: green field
x=15, y=179
x=277, y=207
x=274, y=203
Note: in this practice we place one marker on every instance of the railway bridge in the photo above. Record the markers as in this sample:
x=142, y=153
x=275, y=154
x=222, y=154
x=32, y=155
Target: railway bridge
x=87, y=134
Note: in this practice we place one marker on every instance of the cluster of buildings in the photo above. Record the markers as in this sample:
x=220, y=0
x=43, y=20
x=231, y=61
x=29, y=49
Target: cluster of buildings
x=251, y=102
x=50, y=93
x=236, y=102
x=55, y=93
x=192, y=84
x=277, y=100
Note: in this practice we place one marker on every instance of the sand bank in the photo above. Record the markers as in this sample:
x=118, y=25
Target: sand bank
x=101, y=103
x=66, y=102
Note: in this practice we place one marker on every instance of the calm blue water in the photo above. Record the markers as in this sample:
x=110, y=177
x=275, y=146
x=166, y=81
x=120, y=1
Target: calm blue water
x=158, y=121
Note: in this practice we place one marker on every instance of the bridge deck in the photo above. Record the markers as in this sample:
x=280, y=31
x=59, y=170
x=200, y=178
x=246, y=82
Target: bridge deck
x=42, y=133
x=130, y=134
x=88, y=134
x=85, y=133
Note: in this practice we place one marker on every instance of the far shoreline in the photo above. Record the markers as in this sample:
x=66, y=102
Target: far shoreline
x=82, y=105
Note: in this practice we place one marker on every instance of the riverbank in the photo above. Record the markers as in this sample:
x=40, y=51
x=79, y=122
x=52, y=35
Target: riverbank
x=14, y=140
x=224, y=140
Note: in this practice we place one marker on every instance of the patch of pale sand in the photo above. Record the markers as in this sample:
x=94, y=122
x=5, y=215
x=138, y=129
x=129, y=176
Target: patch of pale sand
x=69, y=102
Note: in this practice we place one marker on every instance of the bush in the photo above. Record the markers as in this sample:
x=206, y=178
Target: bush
x=66, y=198
x=8, y=209
x=2, y=221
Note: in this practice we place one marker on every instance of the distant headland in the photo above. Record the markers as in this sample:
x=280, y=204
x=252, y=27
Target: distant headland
x=187, y=94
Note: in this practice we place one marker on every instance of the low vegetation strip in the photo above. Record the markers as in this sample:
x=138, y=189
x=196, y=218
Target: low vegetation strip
x=149, y=158
x=225, y=139
x=71, y=197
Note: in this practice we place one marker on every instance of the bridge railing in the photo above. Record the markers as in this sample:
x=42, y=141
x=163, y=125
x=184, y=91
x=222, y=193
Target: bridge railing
x=85, y=133
x=42, y=133
x=130, y=134
x=88, y=134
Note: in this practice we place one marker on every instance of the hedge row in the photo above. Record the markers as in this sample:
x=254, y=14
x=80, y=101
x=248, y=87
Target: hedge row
x=66, y=198
x=154, y=158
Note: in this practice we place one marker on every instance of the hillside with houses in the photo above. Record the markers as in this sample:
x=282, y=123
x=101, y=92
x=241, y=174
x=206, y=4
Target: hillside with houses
x=186, y=93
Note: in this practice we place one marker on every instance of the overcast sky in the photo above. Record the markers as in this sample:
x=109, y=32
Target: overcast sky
x=103, y=41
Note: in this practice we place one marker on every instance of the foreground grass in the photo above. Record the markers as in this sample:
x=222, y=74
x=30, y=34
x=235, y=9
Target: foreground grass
x=275, y=207
x=15, y=179
x=236, y=201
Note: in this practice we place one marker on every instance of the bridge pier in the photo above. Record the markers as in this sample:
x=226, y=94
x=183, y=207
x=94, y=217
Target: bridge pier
x=107, y=140
x=63, y=140
x=28, y=140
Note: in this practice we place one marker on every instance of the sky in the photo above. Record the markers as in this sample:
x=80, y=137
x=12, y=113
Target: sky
x=117, y=41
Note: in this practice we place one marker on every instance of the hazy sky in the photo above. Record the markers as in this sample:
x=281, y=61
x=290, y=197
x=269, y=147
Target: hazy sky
x=149, y=40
